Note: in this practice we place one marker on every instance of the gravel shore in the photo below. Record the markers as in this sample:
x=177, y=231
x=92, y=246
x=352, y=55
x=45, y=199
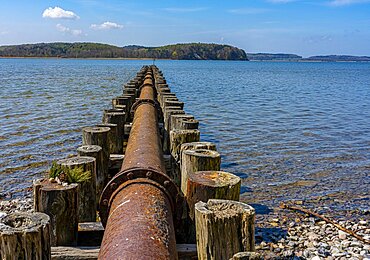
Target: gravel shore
x=283, y=234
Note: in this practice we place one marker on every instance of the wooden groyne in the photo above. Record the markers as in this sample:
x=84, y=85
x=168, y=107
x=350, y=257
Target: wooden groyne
x=142, y=186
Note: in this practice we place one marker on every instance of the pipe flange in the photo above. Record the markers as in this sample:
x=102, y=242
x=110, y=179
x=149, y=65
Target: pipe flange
x=139, y=175
x=141, y=101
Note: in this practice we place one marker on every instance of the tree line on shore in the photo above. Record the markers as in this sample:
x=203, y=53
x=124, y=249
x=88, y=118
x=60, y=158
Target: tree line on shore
x=190, y=51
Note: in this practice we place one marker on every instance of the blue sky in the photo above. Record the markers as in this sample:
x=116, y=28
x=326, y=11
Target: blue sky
x=312, y=27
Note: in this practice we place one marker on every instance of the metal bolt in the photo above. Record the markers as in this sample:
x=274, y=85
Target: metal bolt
x=166, y=184
x=113, y=186
x=130, y=175
x=105, y=202
x=149, y=174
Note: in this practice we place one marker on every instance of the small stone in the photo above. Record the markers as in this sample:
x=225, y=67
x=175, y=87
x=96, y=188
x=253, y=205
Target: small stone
x=312, y=236
x=2, y=214
x=356, y=244
x=316, y=258
x=362, y=222
x=64, y=184
x=337, y=255
x=342, y=234
x=345, y=243
x=321, y=223
x=288, y=253
x=291, y=224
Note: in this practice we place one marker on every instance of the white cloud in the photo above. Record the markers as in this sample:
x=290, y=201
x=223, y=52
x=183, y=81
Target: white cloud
x=64, y=29
x=347, y=2
x=59, y=13
x=106, y=26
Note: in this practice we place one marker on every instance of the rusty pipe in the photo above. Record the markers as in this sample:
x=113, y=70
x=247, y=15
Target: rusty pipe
x=139, y=200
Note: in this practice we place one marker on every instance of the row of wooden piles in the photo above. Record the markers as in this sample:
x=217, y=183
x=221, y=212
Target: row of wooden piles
x=211, y=217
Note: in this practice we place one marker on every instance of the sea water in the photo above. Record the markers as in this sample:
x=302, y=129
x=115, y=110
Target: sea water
x=290, y=130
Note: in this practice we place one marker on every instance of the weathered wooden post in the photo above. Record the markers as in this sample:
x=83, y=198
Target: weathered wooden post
x=177, y=138
x=205, y=185
x=186, y=123
x=98, y=136
x=87, y=190
x=25, y=236
x=116, y=117
x=173, y=103
x=60, y=203
x=175, y=118
x=224, y=228
x=166, y=136
x=95, y=151
x=197, y=160
x=112, y=137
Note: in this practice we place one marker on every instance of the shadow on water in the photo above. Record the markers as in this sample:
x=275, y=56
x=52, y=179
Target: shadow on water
x=244, y=189
x=261, y=209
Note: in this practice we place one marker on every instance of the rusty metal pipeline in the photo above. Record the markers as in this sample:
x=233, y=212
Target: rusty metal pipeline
x=137, y=205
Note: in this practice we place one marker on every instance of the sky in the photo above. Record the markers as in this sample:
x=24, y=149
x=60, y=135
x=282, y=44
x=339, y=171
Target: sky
x=304, y=27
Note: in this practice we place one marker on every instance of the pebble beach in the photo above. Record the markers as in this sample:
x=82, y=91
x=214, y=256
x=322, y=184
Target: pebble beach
x=283, y=234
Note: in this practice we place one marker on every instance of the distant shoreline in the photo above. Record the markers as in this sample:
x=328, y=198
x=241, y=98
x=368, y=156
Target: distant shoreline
x=149, y=59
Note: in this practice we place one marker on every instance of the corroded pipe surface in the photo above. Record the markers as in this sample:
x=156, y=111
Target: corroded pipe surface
x=140, y=220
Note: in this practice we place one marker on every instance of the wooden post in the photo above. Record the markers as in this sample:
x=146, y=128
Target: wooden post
x=60, y=203
x=25, y=236
x=205, y=185
x=95, y=151
x=177, y=117
x=177, y=138
x=97, y=136
x=112, y=137
x=188, y=124
x=197, y=160
x=118, y=118
x=166, y=134
x=173, y=103
x=167, y=116
x=87, y=190
x=224, y=228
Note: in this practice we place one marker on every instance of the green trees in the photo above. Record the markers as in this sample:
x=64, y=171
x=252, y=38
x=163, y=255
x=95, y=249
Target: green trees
x=188, y=51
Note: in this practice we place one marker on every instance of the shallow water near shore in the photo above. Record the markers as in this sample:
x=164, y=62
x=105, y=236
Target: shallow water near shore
x=292, y=131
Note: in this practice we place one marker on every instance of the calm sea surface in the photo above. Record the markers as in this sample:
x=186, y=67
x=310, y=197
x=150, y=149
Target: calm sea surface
x=290, y=130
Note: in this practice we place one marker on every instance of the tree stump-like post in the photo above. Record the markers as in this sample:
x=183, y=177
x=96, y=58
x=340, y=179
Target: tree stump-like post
x=188, y=124
x=224, y=228
x=166, y=134
x=118, y=118
x=25, y=236
x=174, y=119
x=177, y=138
x=173, y=103
x=205, y=185
x=60, y=203
x=112, y=137
x=97, y=136
x=87, y=190
x=95, y=151
x=198, y=160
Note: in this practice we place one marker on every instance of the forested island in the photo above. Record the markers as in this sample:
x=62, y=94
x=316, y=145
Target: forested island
x=188, y=51
x=294, y=57
x=273, y=57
